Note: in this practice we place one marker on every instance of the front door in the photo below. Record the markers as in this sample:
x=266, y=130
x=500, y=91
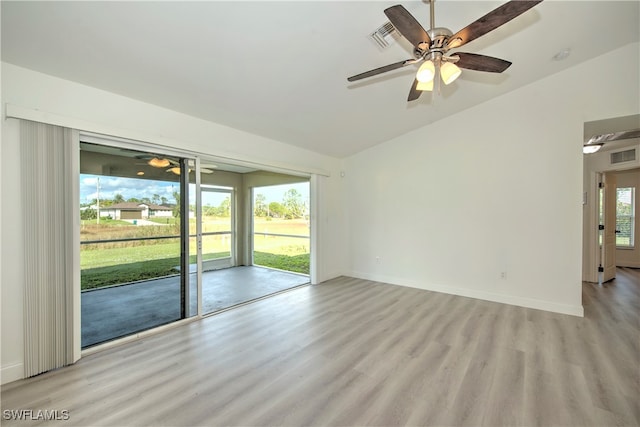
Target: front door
x=609, y=219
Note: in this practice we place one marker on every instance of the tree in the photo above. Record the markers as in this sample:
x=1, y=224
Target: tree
x=260, y=208
x=156, y=199
x=88, y=213
x=225, y=207
x=164, y=200
x=276, y=210
x=118, y=198
x=293, y=204
x=209, y=210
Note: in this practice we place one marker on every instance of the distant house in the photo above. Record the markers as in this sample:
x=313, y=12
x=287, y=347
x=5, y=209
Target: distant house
x=136, y=210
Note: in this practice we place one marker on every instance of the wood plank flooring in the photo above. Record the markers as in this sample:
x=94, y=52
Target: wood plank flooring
x=354, y=352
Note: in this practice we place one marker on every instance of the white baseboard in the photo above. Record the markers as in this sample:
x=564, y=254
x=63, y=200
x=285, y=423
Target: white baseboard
x=473, y=293
x=11, y=373
x=329, y=276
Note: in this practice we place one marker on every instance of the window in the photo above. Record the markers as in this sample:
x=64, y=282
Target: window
x=625, y=217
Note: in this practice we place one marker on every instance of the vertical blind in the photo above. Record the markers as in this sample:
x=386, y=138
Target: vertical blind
x=47, y=176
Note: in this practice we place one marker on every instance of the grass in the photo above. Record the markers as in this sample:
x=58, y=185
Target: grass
x=104, y=222
x=294, y=263
x=124, y=255
x=106, y=264
x=165, y=220
x=98, y=277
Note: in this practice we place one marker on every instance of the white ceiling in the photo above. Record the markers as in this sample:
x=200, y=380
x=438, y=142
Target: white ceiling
x=279, y=69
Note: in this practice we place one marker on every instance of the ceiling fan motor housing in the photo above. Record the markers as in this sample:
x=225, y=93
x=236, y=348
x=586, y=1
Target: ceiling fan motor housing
x=439, y=37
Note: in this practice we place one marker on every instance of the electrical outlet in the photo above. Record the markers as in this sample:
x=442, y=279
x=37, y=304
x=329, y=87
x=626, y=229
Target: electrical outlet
x=503, y=275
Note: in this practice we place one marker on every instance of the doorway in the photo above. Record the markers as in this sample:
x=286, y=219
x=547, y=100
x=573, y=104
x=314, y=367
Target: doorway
x=161, y=242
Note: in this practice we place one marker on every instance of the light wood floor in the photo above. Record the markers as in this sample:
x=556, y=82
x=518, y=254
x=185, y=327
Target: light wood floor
x=354, y=352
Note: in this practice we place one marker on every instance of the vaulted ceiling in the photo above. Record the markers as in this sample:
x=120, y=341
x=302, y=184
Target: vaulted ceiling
x=279, y=69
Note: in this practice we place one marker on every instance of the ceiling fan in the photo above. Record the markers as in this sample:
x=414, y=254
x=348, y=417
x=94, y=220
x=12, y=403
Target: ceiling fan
x=596, y=142
x=431, y=47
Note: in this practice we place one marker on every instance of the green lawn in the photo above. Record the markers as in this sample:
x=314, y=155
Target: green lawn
x=295, y=263
x=117, y=256
x=97, y=277
x=104, y=264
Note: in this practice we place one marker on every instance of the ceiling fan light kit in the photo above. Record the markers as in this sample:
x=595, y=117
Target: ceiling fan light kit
x=591, y=148
x=159, y=163
x=433, y=45
x=426, y=72
x=449, y=72
x=422, y=86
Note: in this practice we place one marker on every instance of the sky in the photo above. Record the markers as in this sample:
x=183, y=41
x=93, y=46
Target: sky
x=140, y=188
x=127, y=187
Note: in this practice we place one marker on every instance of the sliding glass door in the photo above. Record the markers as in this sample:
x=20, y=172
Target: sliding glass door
x=162, y=239
x=134, y=252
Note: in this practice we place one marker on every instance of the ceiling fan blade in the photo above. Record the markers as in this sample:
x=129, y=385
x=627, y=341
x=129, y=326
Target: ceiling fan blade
x=381, y=70
x=473, y=61
x=414, y=93
x=408, y=26
x=490, y=21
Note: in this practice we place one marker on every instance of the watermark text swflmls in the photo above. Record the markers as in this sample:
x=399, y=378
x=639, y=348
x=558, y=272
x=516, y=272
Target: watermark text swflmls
x=35, y=414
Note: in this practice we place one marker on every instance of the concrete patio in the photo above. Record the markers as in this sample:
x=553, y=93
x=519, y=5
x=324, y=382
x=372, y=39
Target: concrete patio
x=118, y=311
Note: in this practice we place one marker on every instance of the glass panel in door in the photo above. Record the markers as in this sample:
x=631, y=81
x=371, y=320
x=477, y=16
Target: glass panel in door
x=130, y=254
x=217, y=228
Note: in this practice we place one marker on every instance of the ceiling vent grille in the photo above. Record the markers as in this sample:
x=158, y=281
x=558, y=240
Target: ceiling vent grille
x=383, y=35
x=623, y=156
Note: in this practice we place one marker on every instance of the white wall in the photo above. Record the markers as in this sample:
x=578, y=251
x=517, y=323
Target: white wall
x=630, y=257
x=87, y=108
x=496, y=188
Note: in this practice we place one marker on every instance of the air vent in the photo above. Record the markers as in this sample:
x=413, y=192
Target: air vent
x=623, y=156
x=383, y=35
